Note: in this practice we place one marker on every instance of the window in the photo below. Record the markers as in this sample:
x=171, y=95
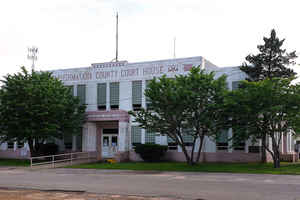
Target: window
x=149, y=136
x=235, y=85
x=20, y=145
x=148, y=101
x=188, y=139
x=68, y=140
x=136, y=135
x=71, y=88
x=136, y=95
x=114, y=89
x=238, y=144
x=10, y=145
x=81, y=93
x=254, y=149
x=101, y=96
x=171, y=143
x=222, y=140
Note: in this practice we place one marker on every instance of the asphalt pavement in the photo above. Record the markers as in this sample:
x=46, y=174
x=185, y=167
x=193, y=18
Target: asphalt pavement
x=177, y=185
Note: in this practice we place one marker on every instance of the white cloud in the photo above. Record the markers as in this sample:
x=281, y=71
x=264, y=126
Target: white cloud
x=73, y=33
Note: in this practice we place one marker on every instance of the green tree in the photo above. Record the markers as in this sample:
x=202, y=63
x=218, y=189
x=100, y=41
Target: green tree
x=203, y=96
x=36, y=107
x=266, y=108
x=188, y=104
x=272, y=61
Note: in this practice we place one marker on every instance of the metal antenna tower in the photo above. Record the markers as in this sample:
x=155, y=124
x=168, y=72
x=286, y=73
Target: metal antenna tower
x=32, y=55
x=174, y=47
x=117, y=38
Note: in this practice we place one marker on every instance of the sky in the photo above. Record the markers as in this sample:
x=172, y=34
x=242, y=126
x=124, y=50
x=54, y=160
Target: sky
x=76, y=33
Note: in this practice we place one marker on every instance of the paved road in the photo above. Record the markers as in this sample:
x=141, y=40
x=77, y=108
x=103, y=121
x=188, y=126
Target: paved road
x=208, y=186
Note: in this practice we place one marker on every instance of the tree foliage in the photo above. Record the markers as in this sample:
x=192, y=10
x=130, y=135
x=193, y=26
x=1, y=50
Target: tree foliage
x=203, y=96
x=36, y=107
x=187, y=104
x=271, y=61
x=268, y=107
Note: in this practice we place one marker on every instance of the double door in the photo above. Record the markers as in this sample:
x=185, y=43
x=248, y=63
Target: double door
x=109, y=145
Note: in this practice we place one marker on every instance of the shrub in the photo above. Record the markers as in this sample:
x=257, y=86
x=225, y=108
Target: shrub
x=47, y=149
x=151, y=152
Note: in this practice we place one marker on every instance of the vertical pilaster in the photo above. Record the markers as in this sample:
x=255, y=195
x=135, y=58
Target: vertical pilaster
x=107, y=96
x=209, y=145
x=99, y=142
x=247, y=146
x=123, y=137
x=89, y=137
x=74, y=144
x=230, y=149
x=75, y=90
x=143, y=136
x=163, y=140
x=143, y=93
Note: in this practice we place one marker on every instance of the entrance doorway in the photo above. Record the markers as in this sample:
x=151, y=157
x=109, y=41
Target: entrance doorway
x=109, y=142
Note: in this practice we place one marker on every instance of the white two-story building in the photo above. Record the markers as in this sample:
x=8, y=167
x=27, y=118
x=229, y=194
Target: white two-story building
x=110, y=90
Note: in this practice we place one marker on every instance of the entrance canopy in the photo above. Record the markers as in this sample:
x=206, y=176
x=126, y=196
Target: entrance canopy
x=112, y=115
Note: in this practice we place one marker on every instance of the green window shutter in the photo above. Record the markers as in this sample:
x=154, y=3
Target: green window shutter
x=223, y=137
x=222, y=140
x=235, y=85
x=101, y=94
x=81, y=93
x=114, y=89
x=137, y=92
x=170, y=140
x=149, y=136
x=148, y=101
x=71, y=87
x=136, y=135
x=187, y=138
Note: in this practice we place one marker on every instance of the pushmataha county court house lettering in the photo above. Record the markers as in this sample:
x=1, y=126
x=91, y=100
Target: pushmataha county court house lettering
x=110, y=90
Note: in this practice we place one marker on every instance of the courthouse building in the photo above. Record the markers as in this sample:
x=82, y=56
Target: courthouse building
x=110, y=90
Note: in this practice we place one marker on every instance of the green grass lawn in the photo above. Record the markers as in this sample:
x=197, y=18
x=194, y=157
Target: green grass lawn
x=252, y=168
x=14, y=162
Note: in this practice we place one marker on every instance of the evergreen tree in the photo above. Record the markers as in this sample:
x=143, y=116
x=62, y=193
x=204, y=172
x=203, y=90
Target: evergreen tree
x=272, y=61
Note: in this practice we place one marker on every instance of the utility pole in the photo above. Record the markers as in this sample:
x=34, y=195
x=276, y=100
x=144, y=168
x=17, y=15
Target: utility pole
x=32, y=55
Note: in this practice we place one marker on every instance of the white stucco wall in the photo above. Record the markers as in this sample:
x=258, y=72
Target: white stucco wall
x=125, y=74
x=89, y=138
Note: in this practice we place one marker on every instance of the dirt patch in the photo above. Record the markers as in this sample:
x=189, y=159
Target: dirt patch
x=23, y=194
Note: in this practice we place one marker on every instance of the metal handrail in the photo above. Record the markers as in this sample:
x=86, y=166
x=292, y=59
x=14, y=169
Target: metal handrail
x=73, y=156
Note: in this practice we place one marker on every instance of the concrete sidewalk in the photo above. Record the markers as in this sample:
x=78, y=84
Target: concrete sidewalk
x=208, y=186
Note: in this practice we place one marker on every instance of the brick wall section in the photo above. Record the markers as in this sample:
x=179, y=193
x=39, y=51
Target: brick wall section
x=207, y=157
x=134, y=156
x=122, y=156
x=16, y=154
x=292, y=157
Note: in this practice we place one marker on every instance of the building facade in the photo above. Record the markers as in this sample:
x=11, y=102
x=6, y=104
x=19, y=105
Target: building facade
x=110, y=90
